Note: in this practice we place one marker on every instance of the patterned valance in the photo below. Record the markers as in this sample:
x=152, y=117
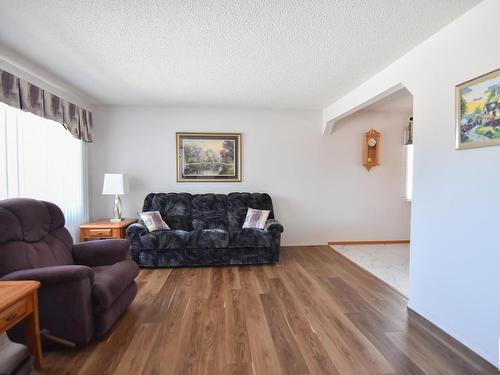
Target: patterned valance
x=21, y=94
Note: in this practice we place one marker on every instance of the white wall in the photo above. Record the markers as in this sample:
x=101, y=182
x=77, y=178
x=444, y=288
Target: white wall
x=12, y=62
x=320, y=190
x=455, y=252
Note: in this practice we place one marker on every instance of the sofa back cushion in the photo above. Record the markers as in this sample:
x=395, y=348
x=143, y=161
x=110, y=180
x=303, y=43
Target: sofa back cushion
x=175, y=208
x=210, y=211
x=184, y=211
x=238, y=204
x=32, y=235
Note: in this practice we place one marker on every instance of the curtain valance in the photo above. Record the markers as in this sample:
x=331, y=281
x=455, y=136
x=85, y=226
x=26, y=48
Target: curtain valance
x=21, y=94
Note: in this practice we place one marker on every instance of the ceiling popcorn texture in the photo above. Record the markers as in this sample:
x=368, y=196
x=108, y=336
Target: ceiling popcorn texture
x=234, y=53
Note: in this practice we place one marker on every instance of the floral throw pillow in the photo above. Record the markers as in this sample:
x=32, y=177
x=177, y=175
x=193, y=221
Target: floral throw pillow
x=256, y=219
x=153, y=221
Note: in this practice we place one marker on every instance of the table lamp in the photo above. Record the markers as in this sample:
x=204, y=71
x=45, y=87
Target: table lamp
x=116, y=184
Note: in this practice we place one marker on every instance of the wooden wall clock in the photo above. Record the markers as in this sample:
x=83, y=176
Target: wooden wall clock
x=371, y=149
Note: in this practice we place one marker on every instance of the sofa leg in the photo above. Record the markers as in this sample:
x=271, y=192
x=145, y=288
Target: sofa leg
x=46, y=334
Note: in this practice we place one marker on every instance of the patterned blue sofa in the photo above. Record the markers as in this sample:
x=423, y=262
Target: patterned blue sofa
x=206, y=230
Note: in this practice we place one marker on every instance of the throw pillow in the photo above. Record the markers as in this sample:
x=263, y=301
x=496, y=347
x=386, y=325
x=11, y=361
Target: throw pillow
x=153, y=221
x=256, y=219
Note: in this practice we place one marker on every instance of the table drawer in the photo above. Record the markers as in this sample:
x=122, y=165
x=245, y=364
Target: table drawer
x=13, y=314
x=90, y=233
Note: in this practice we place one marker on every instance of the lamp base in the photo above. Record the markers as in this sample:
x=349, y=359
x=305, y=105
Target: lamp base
x=117, y=210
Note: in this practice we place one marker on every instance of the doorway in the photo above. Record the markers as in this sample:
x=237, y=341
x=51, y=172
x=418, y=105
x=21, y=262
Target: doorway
x=388, y=258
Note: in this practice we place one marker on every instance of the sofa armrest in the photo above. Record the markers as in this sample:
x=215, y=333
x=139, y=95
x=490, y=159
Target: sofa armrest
x=133, y=234
x=274, y=225
x=53, y=275
x=101, y=253
x=136, y=229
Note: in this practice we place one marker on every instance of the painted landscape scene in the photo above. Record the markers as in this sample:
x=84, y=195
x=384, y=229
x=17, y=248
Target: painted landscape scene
x=208, y=157
x=480, y=111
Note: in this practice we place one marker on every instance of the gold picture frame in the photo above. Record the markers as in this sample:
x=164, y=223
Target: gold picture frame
x=208, y=157
x=477, y=112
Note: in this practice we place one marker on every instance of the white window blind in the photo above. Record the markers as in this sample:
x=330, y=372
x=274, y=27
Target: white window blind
x=40, y=159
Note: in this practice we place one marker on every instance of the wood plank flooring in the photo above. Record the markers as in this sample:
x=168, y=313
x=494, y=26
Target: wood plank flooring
x=313, y=313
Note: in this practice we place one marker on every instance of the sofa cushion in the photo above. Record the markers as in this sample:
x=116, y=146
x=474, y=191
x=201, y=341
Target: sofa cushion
x=111, y=281
x=211, y=238
x=167, y=239
x=238, y=204
x=247, y=237
x=175, y=208
x=209, y=211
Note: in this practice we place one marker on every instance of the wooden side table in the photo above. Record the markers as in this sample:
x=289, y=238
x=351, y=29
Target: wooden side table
x=19, y=301
x=104, y=229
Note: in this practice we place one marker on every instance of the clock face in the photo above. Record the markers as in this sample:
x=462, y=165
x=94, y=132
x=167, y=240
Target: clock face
x=372, y=142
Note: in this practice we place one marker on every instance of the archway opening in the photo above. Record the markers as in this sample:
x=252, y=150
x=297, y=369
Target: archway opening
x=382, y=246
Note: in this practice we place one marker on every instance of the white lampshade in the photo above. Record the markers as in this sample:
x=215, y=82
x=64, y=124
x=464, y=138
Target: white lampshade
x=115, y=183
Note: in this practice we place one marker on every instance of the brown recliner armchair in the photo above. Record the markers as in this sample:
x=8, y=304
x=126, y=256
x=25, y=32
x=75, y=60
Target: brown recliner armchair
x=85, y=287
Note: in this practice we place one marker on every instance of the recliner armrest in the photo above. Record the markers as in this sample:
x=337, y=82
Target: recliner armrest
x=101, y=253
x=274, y=225
x=65, y=301
x=53, y=275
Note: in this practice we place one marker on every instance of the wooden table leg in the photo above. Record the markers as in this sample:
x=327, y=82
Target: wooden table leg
x=32, y=333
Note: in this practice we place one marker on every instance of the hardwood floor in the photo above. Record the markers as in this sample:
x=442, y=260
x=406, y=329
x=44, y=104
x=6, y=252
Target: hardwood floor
x=313, y=313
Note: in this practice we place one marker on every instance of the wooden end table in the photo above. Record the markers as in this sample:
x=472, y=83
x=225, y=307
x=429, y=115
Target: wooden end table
x=104, y=229
x=19, y=301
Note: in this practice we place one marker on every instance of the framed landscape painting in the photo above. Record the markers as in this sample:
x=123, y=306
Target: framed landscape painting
x=208, y=157
x=478, y=112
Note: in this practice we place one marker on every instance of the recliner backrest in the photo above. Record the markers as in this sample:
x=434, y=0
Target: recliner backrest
x=32, y=235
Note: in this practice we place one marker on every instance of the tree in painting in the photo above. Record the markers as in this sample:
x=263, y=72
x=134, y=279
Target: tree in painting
x=227, y=152
x=479, y=119
x=208, y=157
x=192, y=153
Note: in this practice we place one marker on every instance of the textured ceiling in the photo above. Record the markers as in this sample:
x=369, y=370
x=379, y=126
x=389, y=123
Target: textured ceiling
x=246, y=53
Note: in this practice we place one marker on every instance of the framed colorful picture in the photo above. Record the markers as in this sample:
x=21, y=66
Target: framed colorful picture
x=478, y=111
x=208, y=157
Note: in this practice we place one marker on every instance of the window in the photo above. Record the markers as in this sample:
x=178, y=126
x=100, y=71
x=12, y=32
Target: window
x=409, y=172
x=40, y=159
